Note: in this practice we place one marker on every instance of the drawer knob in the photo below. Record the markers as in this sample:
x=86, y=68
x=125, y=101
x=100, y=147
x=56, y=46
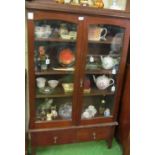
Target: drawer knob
x=94, y=135
x=55, y=139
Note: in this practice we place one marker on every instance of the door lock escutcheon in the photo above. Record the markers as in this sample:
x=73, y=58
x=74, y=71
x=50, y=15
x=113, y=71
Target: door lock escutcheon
x=81, y=18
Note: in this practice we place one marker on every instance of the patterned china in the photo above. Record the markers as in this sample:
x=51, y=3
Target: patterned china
x=102, y=82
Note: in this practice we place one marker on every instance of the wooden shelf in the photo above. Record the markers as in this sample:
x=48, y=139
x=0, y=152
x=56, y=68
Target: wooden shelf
x=98, y=71
x=98, y=116
x=96, y=92
x=58, y=119
x=52, y=72
x=108, y=41
x=98, y=55
x=54, y=40
x=58, y=92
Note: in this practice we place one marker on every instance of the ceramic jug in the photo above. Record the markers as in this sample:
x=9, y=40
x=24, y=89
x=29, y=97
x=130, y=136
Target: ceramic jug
x=108, y=62
x=95, y=33
x=102, y=82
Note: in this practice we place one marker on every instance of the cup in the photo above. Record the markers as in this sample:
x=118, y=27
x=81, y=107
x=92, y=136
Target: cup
x=40, y=82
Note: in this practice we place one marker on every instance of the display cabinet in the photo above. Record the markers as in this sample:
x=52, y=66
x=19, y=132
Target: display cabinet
x=76, y=64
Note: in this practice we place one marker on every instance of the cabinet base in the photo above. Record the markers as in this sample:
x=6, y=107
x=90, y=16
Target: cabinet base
x=41, y=138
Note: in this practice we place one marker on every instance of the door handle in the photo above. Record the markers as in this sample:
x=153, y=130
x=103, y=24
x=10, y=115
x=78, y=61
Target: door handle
x=81, y=83
x=94, y=135
x=55, y=139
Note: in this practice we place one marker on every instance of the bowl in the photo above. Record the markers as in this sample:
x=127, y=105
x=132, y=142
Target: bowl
x=68, y=87
x=53, y=83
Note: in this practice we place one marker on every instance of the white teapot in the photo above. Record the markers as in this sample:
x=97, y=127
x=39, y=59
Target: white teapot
x=108, y=62
x=102, y=82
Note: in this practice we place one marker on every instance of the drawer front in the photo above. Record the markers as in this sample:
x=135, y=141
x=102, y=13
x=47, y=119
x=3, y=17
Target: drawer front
x=96, y=133
x=52, y=137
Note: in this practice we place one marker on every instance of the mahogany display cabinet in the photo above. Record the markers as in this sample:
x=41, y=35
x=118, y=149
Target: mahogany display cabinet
x=76, y=65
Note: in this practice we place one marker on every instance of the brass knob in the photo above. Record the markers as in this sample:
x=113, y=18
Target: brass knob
x=55, y=139
x=94, y=135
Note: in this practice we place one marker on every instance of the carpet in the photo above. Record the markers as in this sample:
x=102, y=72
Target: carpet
x=85, y=148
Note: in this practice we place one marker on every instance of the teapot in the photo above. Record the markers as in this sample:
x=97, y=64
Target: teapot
x=102, y=82
x=95, y=33
x=108, y=62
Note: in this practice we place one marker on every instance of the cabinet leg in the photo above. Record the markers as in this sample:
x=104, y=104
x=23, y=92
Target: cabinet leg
x=109, y=143
x=33, y=151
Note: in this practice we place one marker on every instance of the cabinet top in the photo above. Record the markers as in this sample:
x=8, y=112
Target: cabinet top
x=53, y=6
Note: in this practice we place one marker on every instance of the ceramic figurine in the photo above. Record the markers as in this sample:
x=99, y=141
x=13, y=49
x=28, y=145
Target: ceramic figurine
x=47, y=103
x=43, y=58
x=43, y=115
x=49, y=117
x=87, y=85
x=99, y=4
x=54, y=113
x=102, y=82
x=60, y=1
x=107, y=112
x=75, y=2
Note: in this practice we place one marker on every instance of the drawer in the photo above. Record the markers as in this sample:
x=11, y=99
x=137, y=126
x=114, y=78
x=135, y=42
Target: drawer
x=95, y=133
x=52, y=137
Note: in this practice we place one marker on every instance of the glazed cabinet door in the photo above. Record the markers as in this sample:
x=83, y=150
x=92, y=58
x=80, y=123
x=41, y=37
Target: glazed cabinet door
x=106, y=42
x=54, y=54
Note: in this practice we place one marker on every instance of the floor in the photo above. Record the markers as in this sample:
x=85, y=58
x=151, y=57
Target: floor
x=86, y=148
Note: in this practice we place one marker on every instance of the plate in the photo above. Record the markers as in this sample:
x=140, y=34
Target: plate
x=46, y=90
x=66, y=57
x=117, y=42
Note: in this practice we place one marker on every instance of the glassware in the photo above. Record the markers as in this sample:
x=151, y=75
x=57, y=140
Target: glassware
x=115, y=5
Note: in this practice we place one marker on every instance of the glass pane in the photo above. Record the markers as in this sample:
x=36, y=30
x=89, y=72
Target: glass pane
x=103, y=58
x=53, y=109
x=55, y=58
